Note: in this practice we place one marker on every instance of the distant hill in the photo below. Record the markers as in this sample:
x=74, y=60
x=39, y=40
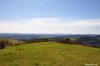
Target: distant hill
x=28, y=36
x=83, y=39
x=49, y=54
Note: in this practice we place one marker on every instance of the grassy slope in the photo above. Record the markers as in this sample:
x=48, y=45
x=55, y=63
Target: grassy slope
x=49, y=54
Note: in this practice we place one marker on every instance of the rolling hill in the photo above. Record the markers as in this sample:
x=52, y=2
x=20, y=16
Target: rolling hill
x=49, y=54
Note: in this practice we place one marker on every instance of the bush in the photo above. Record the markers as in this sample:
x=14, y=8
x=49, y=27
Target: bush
x=9, y=42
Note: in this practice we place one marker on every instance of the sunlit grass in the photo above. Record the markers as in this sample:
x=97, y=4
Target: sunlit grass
x=49, y=54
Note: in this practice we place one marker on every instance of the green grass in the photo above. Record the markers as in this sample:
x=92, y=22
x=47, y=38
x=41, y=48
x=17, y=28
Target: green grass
x=49, y=54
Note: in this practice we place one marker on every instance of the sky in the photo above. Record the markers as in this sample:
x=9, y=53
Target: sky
x=50, y=16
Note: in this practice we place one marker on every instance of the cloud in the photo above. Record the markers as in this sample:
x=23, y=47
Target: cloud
x=51, y=25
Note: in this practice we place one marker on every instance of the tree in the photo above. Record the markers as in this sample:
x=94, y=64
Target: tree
x=67, y=40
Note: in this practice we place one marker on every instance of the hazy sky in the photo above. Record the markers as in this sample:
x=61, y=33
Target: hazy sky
x=50, y=16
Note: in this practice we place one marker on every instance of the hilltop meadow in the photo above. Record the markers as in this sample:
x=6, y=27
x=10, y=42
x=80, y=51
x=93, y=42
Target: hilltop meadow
x=49, y=50
x=49, y=54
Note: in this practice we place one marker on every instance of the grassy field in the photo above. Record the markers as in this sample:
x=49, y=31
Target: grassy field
x=49, y=54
